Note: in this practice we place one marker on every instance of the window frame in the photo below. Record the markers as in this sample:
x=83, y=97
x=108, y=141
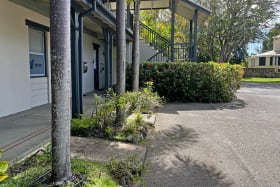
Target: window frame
x=40, y=28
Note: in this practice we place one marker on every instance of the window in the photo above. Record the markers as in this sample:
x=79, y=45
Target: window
x=271, y=61
x=262, y=61
x=37, y=57
x=278, y=61
x=37, y=50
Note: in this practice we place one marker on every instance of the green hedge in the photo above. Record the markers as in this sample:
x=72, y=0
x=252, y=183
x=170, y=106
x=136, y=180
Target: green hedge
x=191, y=82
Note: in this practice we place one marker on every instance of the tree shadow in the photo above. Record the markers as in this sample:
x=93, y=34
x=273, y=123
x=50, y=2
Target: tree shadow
x=167, y=165
x=185, y=171
x=173, y=108
x=171, y=139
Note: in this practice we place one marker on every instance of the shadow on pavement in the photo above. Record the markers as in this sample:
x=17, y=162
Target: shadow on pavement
x=187, y=172
x=167, y=165
x=176, y=137
x=173, y=108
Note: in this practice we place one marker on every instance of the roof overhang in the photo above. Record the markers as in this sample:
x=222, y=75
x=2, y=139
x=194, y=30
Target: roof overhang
x=93, y=22
x=267, y=54
x=184, y=8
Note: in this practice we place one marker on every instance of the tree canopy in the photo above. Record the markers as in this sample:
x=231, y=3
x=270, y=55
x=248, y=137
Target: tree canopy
x=232, y=25
x=267, y=44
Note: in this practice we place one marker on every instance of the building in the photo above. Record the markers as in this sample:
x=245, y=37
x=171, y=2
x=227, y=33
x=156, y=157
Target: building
x=25, y=48
x=270, y=59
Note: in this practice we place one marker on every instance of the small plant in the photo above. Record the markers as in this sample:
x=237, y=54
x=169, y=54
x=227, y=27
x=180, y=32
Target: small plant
x=3, y=168
x=83, y=122
x=127, y=171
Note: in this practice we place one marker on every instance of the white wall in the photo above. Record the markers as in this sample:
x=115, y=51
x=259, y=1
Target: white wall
x=88, y=78
x=15, y=92
x=276, y=43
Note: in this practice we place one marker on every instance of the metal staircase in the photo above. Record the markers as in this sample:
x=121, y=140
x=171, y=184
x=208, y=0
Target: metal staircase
x=163, y=46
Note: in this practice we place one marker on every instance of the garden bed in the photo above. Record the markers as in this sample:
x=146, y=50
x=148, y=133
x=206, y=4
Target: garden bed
x=139, y=107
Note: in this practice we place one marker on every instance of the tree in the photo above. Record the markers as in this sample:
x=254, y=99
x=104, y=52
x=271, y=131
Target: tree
x=60, y=84
x=233, y=24
x=239, y=55
x=267, y=44
x=136, y=48
x=121, y=55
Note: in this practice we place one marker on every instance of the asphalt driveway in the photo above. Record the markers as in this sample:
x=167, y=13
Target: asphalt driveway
x=233, y=144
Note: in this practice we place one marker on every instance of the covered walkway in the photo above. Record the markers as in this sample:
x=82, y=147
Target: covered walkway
x=23, y=132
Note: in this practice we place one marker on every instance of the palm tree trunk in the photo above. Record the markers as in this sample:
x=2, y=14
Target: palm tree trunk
x=121, y=56
x=60, y=84
x=136, y=48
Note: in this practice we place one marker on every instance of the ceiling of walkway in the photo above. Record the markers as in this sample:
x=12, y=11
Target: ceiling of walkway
x=184, y=8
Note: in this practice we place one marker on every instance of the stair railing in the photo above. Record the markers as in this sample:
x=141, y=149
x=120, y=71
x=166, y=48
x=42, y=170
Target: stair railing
x=152, y=37
x=181, y=50
x=161, y=56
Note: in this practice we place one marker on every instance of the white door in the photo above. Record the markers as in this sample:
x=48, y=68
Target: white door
x=88, y=76
x=101, y=74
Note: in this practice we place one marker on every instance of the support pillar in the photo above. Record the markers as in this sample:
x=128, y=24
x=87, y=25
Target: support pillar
x=81, y=46
x=111, y=46
x=172, y=30
x=75, y=64
x=106, y=35
x=194, y=59
x=191, y=41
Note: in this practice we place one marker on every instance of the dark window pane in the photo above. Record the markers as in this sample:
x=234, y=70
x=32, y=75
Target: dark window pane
x=262, y=61
x=271, y=61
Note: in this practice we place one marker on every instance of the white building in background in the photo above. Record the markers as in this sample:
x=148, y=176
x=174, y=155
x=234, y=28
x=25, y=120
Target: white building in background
x=270, y=59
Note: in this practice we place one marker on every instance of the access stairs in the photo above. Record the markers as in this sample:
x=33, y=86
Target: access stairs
x=156, y=48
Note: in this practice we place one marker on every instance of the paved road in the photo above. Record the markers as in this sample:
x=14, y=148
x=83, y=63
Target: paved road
x=235, y=144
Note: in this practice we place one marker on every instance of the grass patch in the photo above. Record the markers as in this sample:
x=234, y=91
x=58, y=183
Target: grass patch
x=261, y=80
x=35, y=171
x=97, y=173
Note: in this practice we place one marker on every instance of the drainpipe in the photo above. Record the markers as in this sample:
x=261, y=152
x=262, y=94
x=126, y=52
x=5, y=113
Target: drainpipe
x=80, y=19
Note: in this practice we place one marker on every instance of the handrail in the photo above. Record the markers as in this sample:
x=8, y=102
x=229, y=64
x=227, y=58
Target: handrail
x=152, y=37
x=161, y=56
x=163, y=45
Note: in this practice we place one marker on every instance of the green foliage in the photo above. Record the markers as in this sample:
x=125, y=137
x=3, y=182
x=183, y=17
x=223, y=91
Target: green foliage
x=233, y=24
x=126, y=171
x=267, y=44
x=192, y=82
x=3, y=168
x=143, y=101
x=261, y=80
x=83, y=122
x=102, y=121
x=96, y=173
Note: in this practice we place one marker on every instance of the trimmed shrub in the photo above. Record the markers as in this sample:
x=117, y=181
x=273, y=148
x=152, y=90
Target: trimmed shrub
x=191, y=82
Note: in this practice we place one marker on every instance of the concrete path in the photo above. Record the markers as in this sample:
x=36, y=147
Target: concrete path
x=193, y=145
x=24, y=132
x=235, y=144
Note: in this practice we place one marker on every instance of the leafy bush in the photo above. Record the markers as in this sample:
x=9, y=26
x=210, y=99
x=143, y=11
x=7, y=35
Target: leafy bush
x=102, y=121
x=127, y=171
x=3, y=168
x=191, y=82
x=143, y=101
